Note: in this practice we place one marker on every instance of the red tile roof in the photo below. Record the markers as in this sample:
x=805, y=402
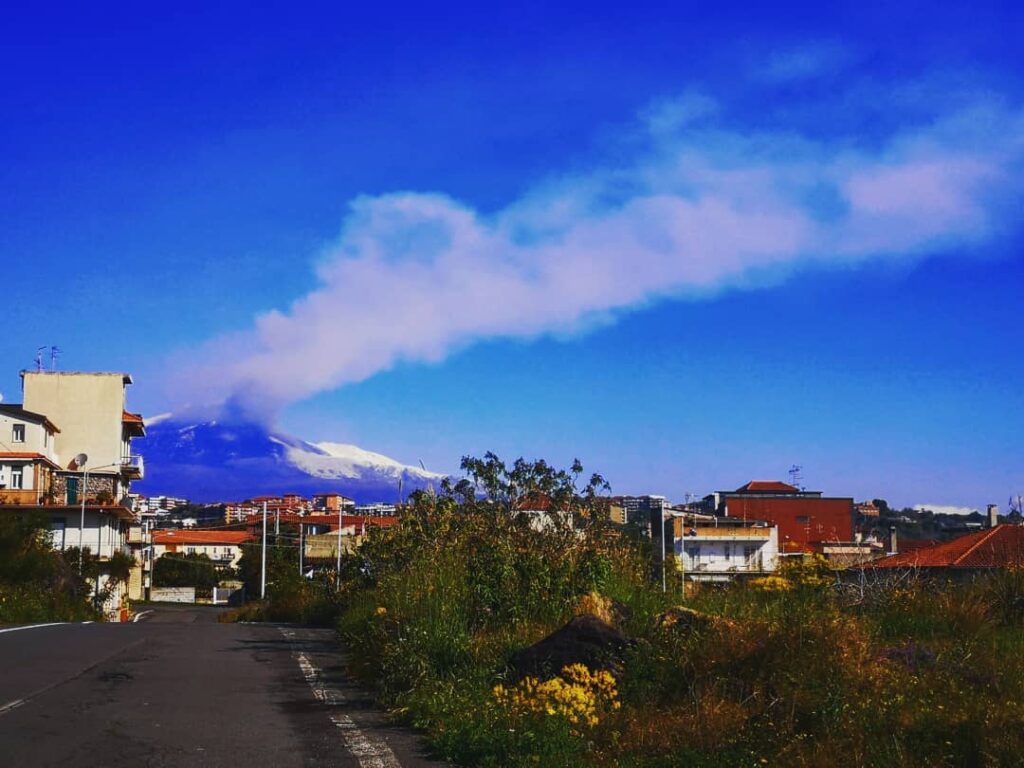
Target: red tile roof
x=775, y=486
x=26, y=455
x=201, y=537
x=329, y=520
x=997, y=547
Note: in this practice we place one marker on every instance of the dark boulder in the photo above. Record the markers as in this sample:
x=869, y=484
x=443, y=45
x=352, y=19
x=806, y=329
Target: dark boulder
x=585, y=640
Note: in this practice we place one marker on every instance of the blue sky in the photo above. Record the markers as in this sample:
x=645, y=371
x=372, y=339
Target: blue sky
x=690, y=246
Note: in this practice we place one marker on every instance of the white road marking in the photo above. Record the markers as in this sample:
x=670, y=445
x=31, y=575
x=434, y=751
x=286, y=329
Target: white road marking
x=135, y=619
x=11, y=705
x=371, y=753
x=32, y=626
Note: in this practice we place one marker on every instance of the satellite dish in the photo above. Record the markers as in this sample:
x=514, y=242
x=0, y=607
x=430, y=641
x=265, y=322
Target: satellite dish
x=80, y=460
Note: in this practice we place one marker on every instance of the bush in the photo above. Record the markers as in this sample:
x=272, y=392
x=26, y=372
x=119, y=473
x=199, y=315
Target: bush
x=37, y=584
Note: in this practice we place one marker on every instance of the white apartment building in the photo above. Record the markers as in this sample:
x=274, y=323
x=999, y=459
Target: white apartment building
x=712, y=552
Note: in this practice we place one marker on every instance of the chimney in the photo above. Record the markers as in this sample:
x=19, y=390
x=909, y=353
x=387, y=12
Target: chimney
x=892, y=540
x=993, y=515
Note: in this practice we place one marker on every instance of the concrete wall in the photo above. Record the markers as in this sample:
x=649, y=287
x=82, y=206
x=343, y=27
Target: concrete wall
x=88, y=409
x=38, y=438
x=102, y=534
x=173, y=594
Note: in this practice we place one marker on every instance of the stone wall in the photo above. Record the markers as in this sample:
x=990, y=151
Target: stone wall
x=98, y=484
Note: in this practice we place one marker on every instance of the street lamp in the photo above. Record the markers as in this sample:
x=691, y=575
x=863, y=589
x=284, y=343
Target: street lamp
x=80, y=461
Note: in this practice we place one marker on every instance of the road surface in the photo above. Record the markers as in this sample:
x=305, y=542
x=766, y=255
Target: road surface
x=178, y=689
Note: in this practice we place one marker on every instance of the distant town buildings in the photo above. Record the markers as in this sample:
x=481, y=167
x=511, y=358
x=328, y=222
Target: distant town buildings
x=867, y=509
x=637, y=510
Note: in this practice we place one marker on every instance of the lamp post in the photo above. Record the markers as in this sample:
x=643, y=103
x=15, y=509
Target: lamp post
x=81, y=460
x=263, y=564
x=337, y=571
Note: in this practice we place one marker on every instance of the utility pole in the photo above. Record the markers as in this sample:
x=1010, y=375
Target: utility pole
x=664, y=584
x=263, y=568
x=337, y=572
x=302, y=550
x=81, y=526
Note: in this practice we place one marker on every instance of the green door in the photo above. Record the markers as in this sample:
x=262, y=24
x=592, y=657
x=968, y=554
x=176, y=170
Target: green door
x=72, y=490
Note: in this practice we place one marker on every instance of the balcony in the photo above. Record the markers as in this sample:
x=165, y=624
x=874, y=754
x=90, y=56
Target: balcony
x=133, y=467
x=137, y=536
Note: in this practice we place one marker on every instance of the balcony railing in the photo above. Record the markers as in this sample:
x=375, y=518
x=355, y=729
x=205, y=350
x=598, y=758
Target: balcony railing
x=133, y=465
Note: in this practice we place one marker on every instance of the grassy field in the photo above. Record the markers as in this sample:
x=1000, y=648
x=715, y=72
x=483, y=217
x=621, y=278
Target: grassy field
x=798, y=669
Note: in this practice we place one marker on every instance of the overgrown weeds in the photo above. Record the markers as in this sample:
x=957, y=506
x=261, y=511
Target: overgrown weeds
x=805, y=669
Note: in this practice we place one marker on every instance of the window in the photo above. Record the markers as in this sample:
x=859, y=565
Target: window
x=46, y=438
x=17, y=479
x=728, y=552
x=57, y=526
x=803, y=519
x=18, y=433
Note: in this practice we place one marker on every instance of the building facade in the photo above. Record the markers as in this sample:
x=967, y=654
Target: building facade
x=805, y=519
x=28, y=459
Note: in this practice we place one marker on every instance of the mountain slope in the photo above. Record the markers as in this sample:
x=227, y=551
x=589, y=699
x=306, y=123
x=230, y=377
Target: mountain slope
x=214, y=461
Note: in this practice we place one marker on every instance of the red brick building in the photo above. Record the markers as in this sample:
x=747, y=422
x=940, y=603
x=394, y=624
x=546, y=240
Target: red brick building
x=805, y=519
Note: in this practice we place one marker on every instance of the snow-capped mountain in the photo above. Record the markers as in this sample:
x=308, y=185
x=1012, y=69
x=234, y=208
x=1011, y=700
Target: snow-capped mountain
x=214, y=461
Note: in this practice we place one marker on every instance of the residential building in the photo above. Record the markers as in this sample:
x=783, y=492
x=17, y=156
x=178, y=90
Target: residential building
x=95, y=423
x=223, y=547
x=164, y=503
x=238, y=513
x=333, y=502
x=81, y=469
x=638, y=510
x=724, y=550
x=28, y=459
x=868, y=509
x=377, y=509
x=322, y=549
x=805, y=519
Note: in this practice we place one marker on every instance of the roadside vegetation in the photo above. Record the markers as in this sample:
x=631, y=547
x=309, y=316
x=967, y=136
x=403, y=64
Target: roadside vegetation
x=442, y=616
x=39, y=584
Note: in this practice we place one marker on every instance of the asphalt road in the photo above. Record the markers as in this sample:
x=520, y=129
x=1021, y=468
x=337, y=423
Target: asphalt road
x=179, y=689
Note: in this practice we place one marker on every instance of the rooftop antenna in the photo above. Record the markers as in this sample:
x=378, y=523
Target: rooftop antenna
x=54, y=351
x=795, y=478
x=39, y=359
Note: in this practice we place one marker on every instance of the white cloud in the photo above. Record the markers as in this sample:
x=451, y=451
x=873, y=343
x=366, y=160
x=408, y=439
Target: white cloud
x=700, y=207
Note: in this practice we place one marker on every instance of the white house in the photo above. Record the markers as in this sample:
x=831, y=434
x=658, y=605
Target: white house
x=711, y=552
x=223, y=547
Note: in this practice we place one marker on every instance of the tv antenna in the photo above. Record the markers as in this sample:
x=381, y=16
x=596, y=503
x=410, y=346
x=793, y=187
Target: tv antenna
x=39, y=359
x=54, y=351
x=795, y=478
